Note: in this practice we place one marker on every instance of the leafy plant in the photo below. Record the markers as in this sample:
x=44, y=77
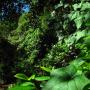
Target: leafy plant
x=32, y=77
x=29, y=85
x=70, y=77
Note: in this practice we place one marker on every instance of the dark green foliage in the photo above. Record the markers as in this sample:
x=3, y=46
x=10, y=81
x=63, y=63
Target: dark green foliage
x=32, y=43
x=6, y=27
x=86, y=87
x=53, y=34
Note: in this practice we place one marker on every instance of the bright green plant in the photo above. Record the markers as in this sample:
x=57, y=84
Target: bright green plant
x=70, y=77
x=33, y=77
x=24, y=86
x=27, y=82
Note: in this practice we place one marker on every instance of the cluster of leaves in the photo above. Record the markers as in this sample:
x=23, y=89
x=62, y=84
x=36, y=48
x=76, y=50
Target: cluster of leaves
x=30, y=41
x=56, y=55
x=28, y=83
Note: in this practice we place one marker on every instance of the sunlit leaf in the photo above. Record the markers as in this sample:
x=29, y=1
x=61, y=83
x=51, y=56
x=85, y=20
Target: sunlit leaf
x=21, y=76
x=46, y=69
x=42, y=78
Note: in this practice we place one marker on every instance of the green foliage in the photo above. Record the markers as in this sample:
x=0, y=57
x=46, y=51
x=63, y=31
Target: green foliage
x=70, y=77
x=52, y=35
x=78, y=71
x=32, y=77
x=30, y=41
x=29, y=85
x=80, y=16
x=21, y=76
x=46, y=69
x=56, y=54
x=20, y=87
x=27, y=40
x=42, y=78
x=87, y=41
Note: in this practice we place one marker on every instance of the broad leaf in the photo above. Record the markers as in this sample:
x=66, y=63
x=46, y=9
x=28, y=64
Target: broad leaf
x=80, y=34
x=21, y=76
x=78, y=21
x=42, y=78
x=66, y=78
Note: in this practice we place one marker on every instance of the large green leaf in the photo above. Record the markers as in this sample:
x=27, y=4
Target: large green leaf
x=66, y=78
x=85, y=6
x=74, y=38
x=78, y=21
x=80, y=34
